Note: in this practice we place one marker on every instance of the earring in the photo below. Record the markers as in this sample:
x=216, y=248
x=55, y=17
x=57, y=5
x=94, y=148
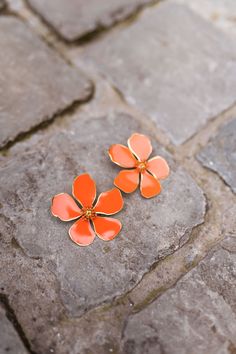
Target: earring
x=135, y=158
x=89, y=213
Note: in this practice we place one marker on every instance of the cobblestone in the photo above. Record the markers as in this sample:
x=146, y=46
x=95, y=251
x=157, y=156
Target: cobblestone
x=31, y=290
x=187, y=80
x=76, y=18
x=166, y=284
x=220, y=154
x=35, y=83
x=199, y=312
x=103, y=270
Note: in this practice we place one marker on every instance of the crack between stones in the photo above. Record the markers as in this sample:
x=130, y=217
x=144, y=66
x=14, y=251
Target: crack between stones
x=215, y=172
x=46, y=122
x=154, y=266
x=118, y=299
x=208, y=171
x=93, y=34
x=160, y=291
x=49, y=43
x=208, y=220
x=164, y=289
x=10, y=314
x=206, y=125
x=124, y=298
x=169, y=148
x=217, y=120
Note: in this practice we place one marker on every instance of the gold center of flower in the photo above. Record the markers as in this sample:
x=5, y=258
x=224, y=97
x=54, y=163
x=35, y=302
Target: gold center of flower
x=88, y=213
x=141, y=166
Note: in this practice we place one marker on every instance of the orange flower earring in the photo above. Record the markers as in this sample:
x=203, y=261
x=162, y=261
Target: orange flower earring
x=135, y=158
x=84, y=191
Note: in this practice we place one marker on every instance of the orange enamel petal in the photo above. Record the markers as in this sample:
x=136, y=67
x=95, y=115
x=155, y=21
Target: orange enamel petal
x=127, y=180
x=84, y=190
x=150, y=186
x=122, y=156
x=82, y=233
x=64, y=207
x=106, y=228
x=140, y=145
x=110, y=202
x=158, y=167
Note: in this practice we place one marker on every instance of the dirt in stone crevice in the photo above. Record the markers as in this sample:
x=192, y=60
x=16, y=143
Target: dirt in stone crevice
x=10, y=314
x=99, y=29
x=210, y=217
x=45, y=123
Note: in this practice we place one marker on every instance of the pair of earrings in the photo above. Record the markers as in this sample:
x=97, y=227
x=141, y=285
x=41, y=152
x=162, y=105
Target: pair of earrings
x=138, y=168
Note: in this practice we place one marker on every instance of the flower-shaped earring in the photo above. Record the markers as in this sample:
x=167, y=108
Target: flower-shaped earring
x=135, y=158
x=84, y=191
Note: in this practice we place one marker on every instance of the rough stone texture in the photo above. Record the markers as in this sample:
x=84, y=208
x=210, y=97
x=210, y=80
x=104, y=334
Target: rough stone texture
x=76, y=18
x=9, y=339
x=35, y=83
x=164, y=65
x=221, y=13
x=220, y=154
x=46, y=165
x=29, y=284
x=197, y=316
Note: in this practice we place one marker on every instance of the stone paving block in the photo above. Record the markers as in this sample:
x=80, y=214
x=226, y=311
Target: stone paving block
x=9, y=339
x=221, y=13
x=76, y=18
x=171, y=64
x=220, y=154
x=35, y=83
x=28, y=283
x=46, y=165
x=198, y=315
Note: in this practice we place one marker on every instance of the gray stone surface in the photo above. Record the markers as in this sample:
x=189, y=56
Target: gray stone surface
x=2, y=4
x=32, y=292
x=163, y=64
x=46, y=165
x=220, y=154
x=9, y=339
x=35, y=83
x=197, y=316
x=76, y=18
x=221, y=13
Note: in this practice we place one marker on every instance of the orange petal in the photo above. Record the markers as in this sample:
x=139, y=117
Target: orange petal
x=127, y=180
x=149, y=186
x=64, y=207
x=106, y=228
x=122, y=156
x=158, y=167
x=110, y=202
x=84, y=190
x=82, y=233
x=140, y=146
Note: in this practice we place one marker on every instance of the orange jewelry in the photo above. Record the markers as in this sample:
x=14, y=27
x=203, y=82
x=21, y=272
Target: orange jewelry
x=84, y=191
x=135, y=158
